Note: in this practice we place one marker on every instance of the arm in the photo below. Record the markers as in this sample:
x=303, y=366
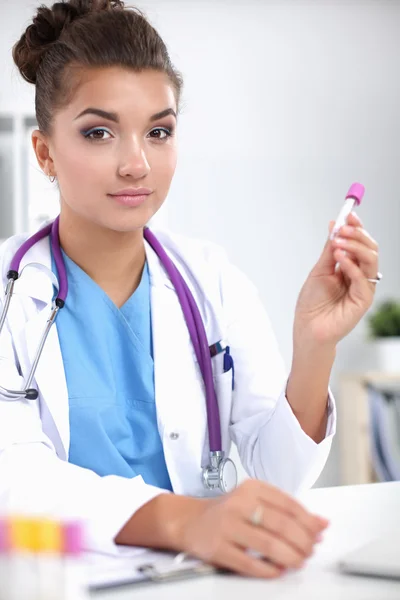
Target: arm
x=335, y=296
x=272, y=440
x=307, y=390
x=34, y=479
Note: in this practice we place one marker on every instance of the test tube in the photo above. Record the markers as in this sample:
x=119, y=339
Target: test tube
x=49, y=560
x=75, y=584
x=22, y=572
x=354, y=197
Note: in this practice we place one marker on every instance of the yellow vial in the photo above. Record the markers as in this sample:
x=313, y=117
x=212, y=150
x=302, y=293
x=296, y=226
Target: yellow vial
x=22, y=534
x=49, y=536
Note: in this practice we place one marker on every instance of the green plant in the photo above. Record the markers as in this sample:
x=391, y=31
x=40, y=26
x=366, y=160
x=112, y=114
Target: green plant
x=385, y=322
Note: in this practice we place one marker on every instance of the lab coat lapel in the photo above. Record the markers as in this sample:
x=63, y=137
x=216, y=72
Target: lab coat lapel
x=180, y=400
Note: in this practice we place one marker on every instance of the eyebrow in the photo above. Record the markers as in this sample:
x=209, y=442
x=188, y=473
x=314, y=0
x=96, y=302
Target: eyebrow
x=111, y=116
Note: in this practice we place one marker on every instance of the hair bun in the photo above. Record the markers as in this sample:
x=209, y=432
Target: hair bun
x=47, y=27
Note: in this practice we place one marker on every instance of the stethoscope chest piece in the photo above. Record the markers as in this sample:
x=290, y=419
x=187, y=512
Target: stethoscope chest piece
x=220, y=474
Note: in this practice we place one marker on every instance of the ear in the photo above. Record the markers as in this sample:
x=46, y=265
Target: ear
x=41, y=147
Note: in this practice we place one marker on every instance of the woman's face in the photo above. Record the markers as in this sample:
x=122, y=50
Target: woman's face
x=97, y=155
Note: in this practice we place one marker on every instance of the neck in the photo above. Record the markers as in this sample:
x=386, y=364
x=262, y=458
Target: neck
x=113, y=259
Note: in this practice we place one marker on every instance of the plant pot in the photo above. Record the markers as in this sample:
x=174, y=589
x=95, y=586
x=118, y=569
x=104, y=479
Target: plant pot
x=387, y=354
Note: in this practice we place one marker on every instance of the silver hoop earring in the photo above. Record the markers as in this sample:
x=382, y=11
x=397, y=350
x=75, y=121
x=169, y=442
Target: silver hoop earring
x=52, y=180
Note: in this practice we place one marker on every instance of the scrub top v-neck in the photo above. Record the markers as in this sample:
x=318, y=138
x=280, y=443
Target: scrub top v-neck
x=109, y=369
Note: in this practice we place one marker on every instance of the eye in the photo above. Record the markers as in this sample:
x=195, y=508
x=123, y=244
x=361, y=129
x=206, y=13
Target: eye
x=89, y=134
x=161, y=133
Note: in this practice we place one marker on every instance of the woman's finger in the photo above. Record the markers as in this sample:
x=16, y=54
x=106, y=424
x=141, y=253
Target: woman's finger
x=240, y=561
x=354, y=219
x=268, y=545
x=285, y=504
x=275, y=524
x=365, y=256
x=349, y=255
x=354, y=273
x=288, y=530
x=358, y=234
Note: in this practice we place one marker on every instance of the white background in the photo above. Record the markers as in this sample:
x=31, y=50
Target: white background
x=285, y=104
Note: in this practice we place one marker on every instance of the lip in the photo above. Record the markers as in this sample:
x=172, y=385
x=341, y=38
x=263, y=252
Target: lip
x=131, y=197
x=133, y=192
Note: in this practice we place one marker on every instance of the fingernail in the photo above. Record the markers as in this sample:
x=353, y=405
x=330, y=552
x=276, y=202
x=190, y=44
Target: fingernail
x=357, y=217
x=341, y=253
x=340, y=241
x=319, y=537
x=348, y=229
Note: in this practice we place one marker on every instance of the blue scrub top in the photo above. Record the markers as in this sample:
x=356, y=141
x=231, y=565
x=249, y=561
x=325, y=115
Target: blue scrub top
x=109, y=368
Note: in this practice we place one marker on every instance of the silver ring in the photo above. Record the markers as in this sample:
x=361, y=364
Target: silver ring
x=378, y=278
x=257, y=516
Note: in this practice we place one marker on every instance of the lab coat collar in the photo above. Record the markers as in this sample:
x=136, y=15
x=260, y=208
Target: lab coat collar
x=158, y=275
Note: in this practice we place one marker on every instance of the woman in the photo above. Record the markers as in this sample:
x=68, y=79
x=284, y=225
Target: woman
x=113, y=433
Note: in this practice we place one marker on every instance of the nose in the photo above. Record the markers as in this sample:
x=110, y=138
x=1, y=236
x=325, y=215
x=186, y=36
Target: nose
x=133, y=161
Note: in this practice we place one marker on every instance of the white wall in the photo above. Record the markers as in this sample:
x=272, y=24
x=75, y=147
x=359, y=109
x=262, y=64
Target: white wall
x=286, y=103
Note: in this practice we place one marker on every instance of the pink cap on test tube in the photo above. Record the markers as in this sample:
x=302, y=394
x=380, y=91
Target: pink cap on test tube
x=356, y=192
x=73, y=538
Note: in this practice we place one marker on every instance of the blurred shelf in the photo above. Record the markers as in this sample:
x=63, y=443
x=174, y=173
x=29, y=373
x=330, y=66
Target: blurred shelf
x=354, y=423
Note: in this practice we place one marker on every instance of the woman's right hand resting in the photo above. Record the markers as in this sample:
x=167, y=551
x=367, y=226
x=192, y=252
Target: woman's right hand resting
x=220, y=530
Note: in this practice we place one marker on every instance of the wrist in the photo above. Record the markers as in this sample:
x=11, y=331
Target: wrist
x=313, y=335
x=162, y=522
x=178, y=513
x=308, y=352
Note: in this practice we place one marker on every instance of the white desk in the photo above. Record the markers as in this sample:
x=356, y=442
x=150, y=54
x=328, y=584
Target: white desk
x=357, y=514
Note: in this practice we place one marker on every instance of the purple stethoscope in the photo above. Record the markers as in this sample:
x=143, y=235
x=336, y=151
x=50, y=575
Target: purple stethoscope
x=221, y=472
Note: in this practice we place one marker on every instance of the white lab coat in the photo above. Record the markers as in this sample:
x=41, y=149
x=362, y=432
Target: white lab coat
x=35, y=475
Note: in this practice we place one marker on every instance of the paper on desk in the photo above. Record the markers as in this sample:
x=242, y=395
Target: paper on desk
x=112, y=570
x=102, y=569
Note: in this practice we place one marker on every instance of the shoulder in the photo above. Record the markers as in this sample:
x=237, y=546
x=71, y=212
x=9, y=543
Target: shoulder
x=191, y=249
x=207, y=265
x=199, y=260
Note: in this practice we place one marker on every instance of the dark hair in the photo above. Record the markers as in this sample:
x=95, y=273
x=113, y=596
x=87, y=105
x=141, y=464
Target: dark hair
x=76, y=34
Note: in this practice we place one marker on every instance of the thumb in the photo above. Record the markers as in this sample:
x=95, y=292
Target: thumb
x=326, y=263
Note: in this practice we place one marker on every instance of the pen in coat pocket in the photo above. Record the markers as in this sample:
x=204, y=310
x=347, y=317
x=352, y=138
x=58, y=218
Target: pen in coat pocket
x=229, y=364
